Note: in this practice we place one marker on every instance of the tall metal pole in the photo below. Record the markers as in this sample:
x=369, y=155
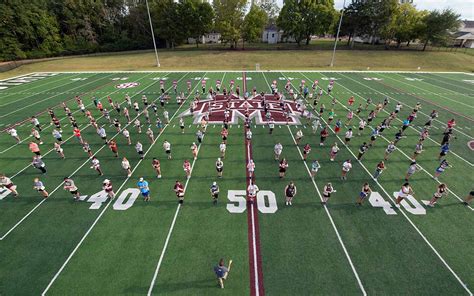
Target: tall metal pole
x=337, y=35
x=153, y=34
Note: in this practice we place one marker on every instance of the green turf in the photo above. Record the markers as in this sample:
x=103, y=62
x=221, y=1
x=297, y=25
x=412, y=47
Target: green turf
x=109, y=252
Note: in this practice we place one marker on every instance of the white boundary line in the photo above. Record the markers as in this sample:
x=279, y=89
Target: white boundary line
x=109, y=203
x=265, y=71
x=402, y=212
x=59, y=186
x=348, y=257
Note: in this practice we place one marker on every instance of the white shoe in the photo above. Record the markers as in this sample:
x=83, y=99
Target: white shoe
x=159, y=176
x=290, y=203
x=286, y=203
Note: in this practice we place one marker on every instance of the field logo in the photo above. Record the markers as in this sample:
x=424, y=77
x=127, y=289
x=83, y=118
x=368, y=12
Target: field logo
x=127, y=85
x=470, y=144
x=281, y=110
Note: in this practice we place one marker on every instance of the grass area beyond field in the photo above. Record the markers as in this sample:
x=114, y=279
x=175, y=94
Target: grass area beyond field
x=268, y=60
x=99, y=246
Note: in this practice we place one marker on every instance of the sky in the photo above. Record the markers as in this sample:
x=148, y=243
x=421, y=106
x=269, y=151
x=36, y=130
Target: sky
x=463, y=7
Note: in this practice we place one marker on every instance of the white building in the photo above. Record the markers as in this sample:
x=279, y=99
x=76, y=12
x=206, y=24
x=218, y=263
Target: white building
x=212, y=37
x=271, y=35
x=465, y=35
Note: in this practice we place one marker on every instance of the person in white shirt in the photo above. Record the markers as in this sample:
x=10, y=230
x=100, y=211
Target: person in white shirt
x=96, y=165
x=166, y=116
x=6, y=182
x=101, y=132
x=248, y=135
x=126, y=166
x=222, y=149
x=315, y=125
x=36, y=135
x=167, y=148
x=362, y=124
x=405, y=190
x=149, y=133
x=348, y=136
x=251, y=168
x=278, y=149
x=139, y=149
x=346, y=167
x=13, y=132
x=252, y=190
x=126, y=134
x=299, y=136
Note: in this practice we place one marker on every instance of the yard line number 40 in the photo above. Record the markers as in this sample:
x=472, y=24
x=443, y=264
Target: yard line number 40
x=266, y=201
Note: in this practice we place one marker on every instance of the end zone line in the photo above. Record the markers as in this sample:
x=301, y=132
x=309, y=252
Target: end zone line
x=59, y=186
x=108, y=204
x=402, y=211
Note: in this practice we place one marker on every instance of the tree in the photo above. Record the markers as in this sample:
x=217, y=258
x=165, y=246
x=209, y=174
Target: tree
x=305, y=18
x=403, y=26
x=272, y=10
x=438, y=25
x=168, y=22
x=229, y=18
x=197, y=18
x=253, y=25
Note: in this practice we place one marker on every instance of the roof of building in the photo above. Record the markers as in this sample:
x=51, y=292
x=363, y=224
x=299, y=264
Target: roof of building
x=468, y=24
x=466, y=36
x=272, y=27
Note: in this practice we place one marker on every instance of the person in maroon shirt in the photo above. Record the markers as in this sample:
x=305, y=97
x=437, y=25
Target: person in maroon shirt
x=179, y=189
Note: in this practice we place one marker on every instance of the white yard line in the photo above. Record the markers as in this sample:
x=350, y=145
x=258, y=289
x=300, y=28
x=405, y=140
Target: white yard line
x=40, y=101
x=403, y=213
x=445, y=82
x=54, y=190
x=458, y=156
x=397, y=148
x=346, y=253
x=109, y=203
x=37, y=93
x=348, y=257
x=366, y=86
x=432, y=93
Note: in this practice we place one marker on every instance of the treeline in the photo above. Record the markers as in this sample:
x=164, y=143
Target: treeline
x=388, y=21
x=44, y=28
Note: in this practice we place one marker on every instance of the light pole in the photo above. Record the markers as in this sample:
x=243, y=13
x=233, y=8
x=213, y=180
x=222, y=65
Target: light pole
x=337, y=35
x=153, y=34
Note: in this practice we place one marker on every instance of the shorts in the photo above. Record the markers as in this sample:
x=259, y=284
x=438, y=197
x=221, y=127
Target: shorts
x=114, y=150
x=215, y=195
x=337, y=129
x=41, y=189
x=37, y=153
x=361, y=128
x=439, y=170
x=347, y=139
x=140, y=152
x=328, y=195
x=282, y=170
x=167, y=151
x=219, y=170
x=8, y=186
x=74, y=192
x=362, y=195
x=373, y=138
x=182, y=127
x=443, y=153
x=145, y=193
x=224, y=138
x=402, y=195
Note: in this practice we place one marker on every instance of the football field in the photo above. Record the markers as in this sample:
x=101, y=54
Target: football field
x=125, y=245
